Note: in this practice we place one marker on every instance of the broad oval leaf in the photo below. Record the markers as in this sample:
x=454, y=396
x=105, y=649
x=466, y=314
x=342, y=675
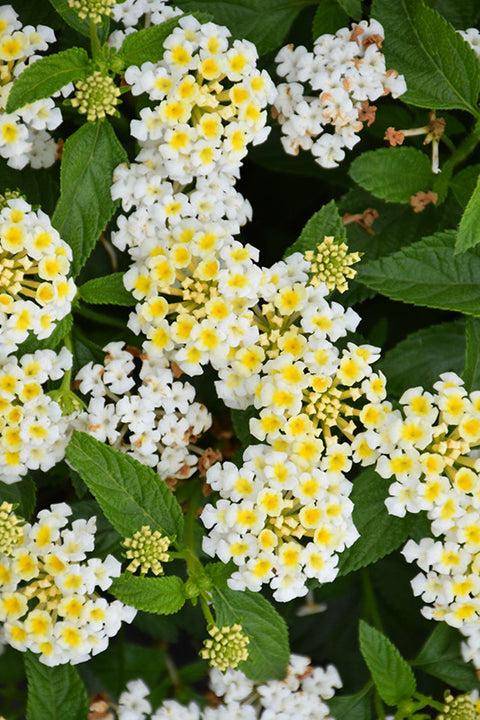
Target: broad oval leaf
x=326, y=221
x=146, y=45
x=108, y=290
x=130, y=494
x=161, y=595
x=440, y=657
x=393, y=174
x=54, y=693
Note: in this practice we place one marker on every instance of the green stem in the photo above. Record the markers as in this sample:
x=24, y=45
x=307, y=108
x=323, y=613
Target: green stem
x=379, y=706
x=206, y=610
x=369, y=601
x=427, y=700
x=94, y=41
x=98, y=317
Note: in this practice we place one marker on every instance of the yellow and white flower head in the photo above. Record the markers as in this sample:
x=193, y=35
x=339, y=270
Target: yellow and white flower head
x=281, y=519
x=35, y=291
x=49, y=602
x=24, y=136
x=139, y=408
x=327, y=96
x=33, y=431
x=300, y=694
x=430, y=447
x=211, y=101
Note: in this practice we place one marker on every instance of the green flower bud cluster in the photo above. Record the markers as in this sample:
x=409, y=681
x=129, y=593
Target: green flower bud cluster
x=227, y=646
x=5, y=197
x=458, y=708
x=96, y=10
x=147, y=551
x=96, y=96
x=331, y=264
x=11, y=532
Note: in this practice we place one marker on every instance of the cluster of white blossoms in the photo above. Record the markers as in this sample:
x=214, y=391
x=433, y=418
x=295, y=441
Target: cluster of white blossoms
x=33, y=431
x=157, y=422
x=327, y=96
x=48, y=598
x=472, y=37
x=300, y=694
x=24, y=136
x=430, y=446
x=35, y=291
x=131, y=12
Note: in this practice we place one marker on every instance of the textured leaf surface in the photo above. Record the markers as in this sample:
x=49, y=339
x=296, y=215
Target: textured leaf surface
x=392, y=675
x=47, y=75
x=326, y=221
x=85, y=206
x=469, y=229
x=353, y=8
x=268, y=648
x=146, y=45
x=440, y=657
x=428, y=273
x=108, y=290
x=129, y=493
x=329, y=17
x=162, y=595
x=393, y=174
x=440, y=69
x=54, y=693
x=350, y=707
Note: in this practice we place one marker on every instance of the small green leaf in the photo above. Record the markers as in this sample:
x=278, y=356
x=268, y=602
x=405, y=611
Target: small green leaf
x=48, y=75
x=380, y=533
x=54, y=693
x=241, y=425
x=161, y=595
x=428, y=273
x=469, y=229
x=350, y=707
x=219, y=572
x=23, y=493
x=130, y=494
x=393, y=174
x=85, y=206
x=423, y=355
x=108, y=290
x=353, y=8
x=146, y=45
x=329, y=17
x=268, y=651
x=325, y=222
x=441, y=70
x=62, y=328
x=471, y=373
x=392, y=675
x=440, y=657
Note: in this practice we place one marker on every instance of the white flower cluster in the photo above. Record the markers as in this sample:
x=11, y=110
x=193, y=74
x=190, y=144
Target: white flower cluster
x=33, y=432
x=472, y=37
x=130, y=12
x=24, y=136
x=345, y=72
x=34, y=263
x=157, y=424
x=299, y=695
x=430, y=447
x=67, y=620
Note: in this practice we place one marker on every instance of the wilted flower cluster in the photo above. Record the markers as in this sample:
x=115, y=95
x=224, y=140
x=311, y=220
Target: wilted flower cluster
x=157, y=423
x=24, y=136
x=33, y=432
x=300, y=694
x=48, y=598
x=430, y=447
x=35, y=291
x=345, y=72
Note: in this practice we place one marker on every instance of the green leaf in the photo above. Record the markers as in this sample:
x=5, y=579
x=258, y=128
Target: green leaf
x=162, y=595
x=263, y=22
x=392, y=675
x=82, y=26
x=23, y=493
x=469, y=229
x=268, y=651
x=350, y=707
x=219, y=572
x=460, y=15
x=423, y=355
x=463, y=184
x=440, y=657
x=441, y=70
x=130, y=494
x=329, y=17
x=47, y=75
x=353, y=8
x=146, y=45
x=393, y=174
x=54, y=693
x=241, y=425
x=380, y=533
x=428, y=273
x=62, y=328
x=326, y=221
x=471, y=373
x=108, y=290
x=85, y=206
